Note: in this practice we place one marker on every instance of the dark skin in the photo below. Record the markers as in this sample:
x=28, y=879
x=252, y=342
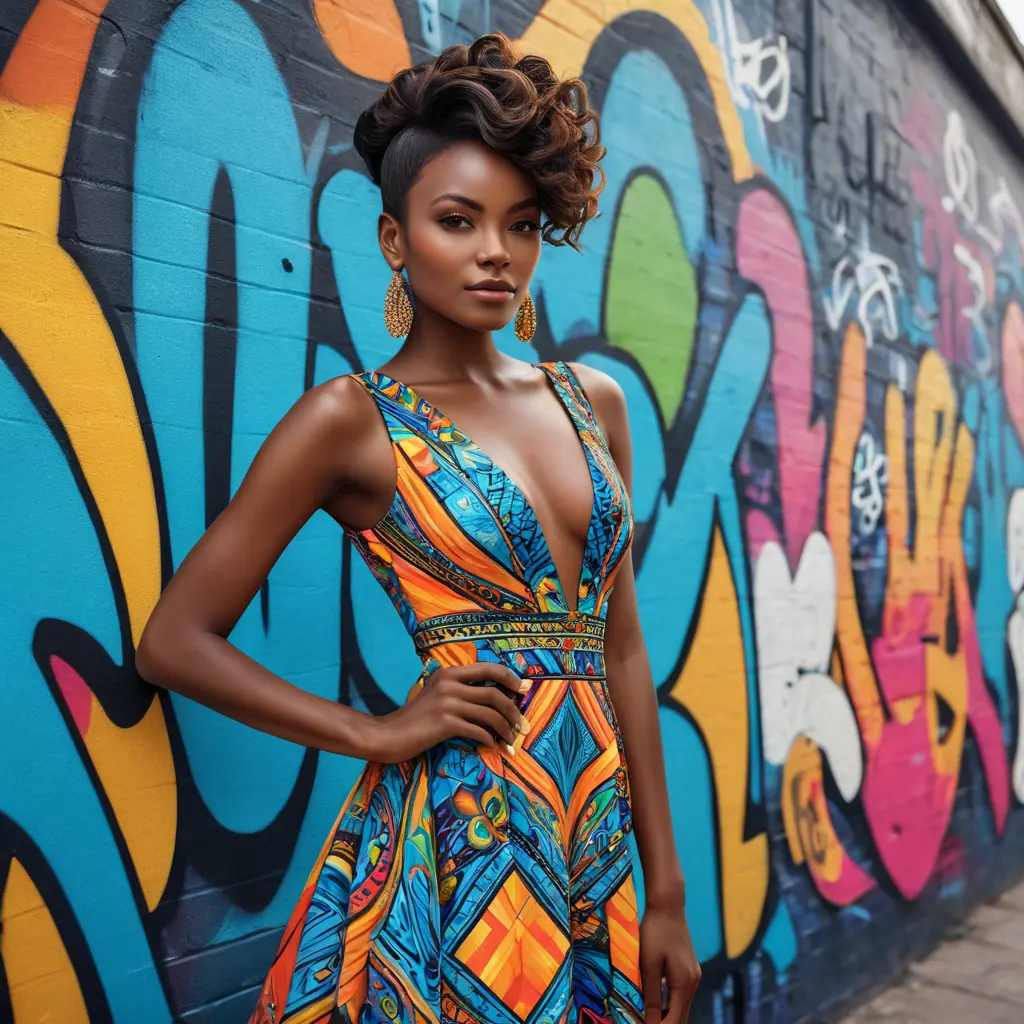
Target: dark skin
x=470, y=217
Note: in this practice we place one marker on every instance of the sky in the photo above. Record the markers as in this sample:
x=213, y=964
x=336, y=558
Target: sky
x=1014, y=11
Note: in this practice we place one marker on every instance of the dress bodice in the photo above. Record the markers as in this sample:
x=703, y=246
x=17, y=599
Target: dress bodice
x=461, y=553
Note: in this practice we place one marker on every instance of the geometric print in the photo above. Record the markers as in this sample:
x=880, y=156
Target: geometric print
x=565, y=749
x=515, y=948
x=466, y=886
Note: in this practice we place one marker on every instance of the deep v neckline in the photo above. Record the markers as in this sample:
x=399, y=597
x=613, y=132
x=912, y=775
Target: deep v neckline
x=465, y=439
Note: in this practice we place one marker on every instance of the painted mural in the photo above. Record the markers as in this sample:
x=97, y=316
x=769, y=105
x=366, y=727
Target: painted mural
x=809, y=279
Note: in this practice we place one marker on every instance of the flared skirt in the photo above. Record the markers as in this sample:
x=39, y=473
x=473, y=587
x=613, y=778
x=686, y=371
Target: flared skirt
x=470, y=886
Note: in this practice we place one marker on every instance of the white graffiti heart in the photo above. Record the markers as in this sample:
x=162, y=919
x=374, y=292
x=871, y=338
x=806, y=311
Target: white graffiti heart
x=795, y=625
x=1015, y=541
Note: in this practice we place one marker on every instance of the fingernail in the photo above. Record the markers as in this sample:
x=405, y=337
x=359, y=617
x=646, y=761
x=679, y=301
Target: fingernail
x=525, y=685
x=526, y=727
x=511, y=750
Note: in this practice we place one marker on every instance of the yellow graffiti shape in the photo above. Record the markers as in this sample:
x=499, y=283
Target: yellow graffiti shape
x=47, y=309
x=805, y=813
x=51, y=316
x=935, y=410
x=366, y=36
x=712, y=687
x=564, y=31
x=922, y=582
x=924, y=576
x=949, y=674
x=858, y=671
x=137, y=770
x=40, y=977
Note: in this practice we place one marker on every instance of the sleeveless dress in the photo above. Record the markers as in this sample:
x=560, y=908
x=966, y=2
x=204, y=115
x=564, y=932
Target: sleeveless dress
x=467, y=885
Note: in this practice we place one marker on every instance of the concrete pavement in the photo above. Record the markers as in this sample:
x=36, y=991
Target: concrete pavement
x=975, y=978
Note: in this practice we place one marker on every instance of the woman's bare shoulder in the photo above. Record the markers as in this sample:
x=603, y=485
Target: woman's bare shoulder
x=338, y=410
x=607, y=398
x=323, y=441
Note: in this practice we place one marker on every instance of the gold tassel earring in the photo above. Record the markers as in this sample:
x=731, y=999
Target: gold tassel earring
x=526, y=319
x=398, y=311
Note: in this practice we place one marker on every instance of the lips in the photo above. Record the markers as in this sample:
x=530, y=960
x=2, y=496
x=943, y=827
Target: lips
x=492, y=285
x=492, y=290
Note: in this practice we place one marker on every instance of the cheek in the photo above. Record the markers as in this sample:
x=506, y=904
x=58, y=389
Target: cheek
x=437, y=253
x=525, y=251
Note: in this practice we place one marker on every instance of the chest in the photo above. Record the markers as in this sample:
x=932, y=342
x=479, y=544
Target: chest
x=528, y=509
x=535, y=449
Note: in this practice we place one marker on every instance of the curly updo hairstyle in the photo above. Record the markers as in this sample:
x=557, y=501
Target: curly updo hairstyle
x=516, y=106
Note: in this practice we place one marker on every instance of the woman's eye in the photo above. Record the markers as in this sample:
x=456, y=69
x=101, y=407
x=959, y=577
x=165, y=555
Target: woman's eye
x=454, y=220
x=526, y=225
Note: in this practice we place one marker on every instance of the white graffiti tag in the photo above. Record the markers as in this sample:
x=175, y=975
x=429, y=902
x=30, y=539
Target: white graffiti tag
x=975, y=312
x=976, y=278
x=961, y=170
x=795, y=621
x=876, y=280
x=870, y=475
x=758, y=71
x=964, y=190
x=1004, y=214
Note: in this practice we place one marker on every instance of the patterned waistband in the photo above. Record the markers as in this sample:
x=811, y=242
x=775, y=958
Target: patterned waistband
x=543, y=631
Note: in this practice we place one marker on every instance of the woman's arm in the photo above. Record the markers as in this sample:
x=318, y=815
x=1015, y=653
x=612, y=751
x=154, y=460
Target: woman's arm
x=636, y=707
x=184, y=647
x=666, y=949
x=331, y=449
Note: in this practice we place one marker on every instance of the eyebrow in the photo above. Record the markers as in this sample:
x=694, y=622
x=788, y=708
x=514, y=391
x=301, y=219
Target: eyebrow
x=455, y=197
x=524, y=204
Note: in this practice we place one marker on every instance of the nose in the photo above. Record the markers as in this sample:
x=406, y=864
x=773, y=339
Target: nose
x=494, y=250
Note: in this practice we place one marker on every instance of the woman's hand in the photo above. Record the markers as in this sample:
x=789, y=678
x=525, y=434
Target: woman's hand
x=666, y=952
x=473, y=702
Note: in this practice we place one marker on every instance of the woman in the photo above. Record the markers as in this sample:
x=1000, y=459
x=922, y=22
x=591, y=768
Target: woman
x=480, y=871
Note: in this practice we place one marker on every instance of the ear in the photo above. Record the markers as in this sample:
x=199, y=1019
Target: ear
x=389, y=237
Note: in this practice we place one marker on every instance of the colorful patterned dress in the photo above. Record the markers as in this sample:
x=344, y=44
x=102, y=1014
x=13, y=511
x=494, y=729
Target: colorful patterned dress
x=467, y=885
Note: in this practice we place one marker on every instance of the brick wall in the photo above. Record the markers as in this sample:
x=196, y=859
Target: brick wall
x=808, y=279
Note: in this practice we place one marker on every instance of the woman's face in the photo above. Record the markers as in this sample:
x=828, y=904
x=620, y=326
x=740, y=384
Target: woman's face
x=471, y=239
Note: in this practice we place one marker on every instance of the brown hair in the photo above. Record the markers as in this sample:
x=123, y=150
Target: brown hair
x=517, y=107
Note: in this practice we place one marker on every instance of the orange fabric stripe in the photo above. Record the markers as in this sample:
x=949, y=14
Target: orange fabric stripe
x=426, y=595
x=593, y=714
x=602, y=769
x=435, y=522
x=546, y=700
x=624, y=932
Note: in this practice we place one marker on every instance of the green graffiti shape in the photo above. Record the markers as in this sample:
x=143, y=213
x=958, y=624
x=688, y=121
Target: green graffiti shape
x=651, y=299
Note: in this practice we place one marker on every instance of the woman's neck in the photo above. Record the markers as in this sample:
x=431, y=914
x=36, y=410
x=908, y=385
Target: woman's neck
x=438, y=349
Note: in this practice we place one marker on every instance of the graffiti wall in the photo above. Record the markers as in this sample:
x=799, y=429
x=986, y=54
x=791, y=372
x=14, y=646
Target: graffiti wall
x=809, y=280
